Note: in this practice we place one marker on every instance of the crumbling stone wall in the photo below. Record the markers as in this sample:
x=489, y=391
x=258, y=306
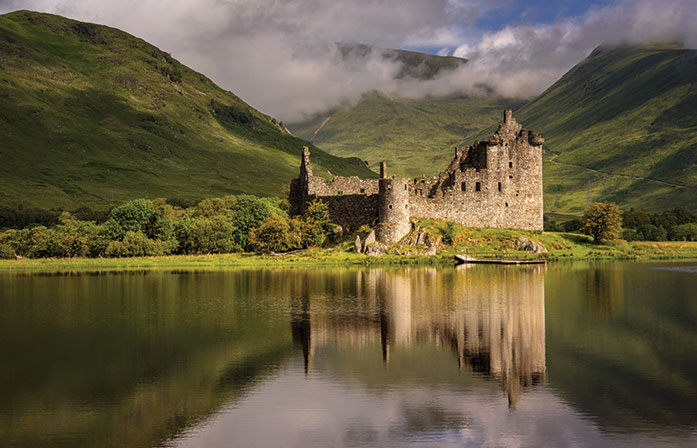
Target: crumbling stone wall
x=493, y=183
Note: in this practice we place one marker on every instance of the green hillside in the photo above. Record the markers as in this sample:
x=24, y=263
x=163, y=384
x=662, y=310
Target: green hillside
x=90, y=115
x=415, y=136
x=623, y=121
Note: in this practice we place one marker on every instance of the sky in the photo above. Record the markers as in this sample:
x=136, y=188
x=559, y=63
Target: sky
x=280, y=55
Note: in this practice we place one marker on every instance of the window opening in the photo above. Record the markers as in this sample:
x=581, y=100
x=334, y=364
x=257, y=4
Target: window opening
x=478, y=187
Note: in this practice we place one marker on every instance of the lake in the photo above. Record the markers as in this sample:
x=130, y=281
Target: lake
x=578, y=354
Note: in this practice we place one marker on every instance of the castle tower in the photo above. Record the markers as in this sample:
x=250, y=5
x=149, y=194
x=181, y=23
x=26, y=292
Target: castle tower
x=393, y=208
x=305, y=165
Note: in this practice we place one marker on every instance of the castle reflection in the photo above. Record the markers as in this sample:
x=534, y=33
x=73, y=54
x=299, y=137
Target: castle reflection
x=492, y=319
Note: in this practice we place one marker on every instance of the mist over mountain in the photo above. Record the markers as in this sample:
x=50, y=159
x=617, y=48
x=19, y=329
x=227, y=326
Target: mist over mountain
x=280, y=56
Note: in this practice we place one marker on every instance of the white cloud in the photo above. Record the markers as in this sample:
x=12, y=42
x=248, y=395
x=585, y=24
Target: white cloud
x=278, y=56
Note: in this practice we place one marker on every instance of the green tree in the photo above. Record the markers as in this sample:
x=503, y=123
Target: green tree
x=206, y=235
x=137, y=215
x=135, y=244
x=602, y=221
x=685, y=232
x=274, y=234
x=250, y=211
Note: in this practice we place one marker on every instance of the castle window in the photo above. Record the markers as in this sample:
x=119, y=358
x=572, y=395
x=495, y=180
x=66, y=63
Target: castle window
x=499, y=186
x=390, y=206
x=464, y=186
x=478, y=187
x=510, y=164
x=510, y=177
x=506, y=204
x=362, y=190
x=405, y=186
x=406, y=205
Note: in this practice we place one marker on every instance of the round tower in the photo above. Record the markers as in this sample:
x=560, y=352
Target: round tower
x=393, y=210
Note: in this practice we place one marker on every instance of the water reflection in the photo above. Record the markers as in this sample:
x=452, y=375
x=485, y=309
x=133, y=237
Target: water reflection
x=567, y=355
x=493, y=321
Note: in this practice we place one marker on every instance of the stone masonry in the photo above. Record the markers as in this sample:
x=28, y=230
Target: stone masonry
x=493, y=183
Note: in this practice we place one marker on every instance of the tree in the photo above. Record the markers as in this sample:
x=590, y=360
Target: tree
x=602, y=221
x=272, y=235
x=686, y=232
x=250, y=211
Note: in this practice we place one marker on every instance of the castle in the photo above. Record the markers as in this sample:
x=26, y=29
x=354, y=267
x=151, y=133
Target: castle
x=494, y=183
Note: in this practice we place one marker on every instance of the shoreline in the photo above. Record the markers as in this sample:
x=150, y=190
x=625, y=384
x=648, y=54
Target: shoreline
x=672, y=251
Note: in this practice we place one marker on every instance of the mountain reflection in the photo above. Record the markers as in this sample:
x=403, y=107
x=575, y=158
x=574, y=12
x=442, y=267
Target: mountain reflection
x=493, y=321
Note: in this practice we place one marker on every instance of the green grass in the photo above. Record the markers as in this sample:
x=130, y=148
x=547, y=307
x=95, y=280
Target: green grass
x=90, y=115
x=479, y=243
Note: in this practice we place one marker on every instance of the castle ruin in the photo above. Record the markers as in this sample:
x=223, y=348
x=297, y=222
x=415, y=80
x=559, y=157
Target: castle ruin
x=494, y=183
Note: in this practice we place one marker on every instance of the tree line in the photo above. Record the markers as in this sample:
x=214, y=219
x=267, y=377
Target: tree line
x=143, y=227
x=676, y=224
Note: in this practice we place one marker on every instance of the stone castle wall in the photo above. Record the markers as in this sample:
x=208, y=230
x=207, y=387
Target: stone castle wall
x=495, y=183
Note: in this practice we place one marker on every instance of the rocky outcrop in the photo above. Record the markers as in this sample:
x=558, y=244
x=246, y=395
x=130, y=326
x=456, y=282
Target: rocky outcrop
x=375, y=249
x=528, y=245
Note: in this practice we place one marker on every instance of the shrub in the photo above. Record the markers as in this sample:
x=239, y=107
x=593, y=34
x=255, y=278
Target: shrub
x=602, y=221
x=135, y=244
x=272, y=235
x=204, y=235
x=685, y=232
x=7, y=252
x=448, y=232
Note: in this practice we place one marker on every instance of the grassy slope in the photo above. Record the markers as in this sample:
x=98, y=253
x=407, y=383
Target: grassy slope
x=415, y=136
x=91, y=115
x=630, y=112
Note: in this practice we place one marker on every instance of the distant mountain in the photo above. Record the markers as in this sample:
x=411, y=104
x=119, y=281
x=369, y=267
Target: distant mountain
x=413, y=63
x=622, y=124
x=90, y=115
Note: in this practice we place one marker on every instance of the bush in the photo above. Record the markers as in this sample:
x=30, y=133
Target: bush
x=448, y=232
x=203, y=235
x=685, y=232
x=274, y=234
x=135, y=244
x=602, y=221
x=7, y=252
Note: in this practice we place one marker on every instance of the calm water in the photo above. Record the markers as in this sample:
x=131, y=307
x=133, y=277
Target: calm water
x=565, y=355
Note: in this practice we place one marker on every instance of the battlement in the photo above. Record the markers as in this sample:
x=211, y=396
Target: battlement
x=492, y=183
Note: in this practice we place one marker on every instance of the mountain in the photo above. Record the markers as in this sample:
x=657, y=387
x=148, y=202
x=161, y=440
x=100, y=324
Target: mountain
x=413, y=64
x=415, y=136
x=624, y=123
x=90, y=115
x=620, y=126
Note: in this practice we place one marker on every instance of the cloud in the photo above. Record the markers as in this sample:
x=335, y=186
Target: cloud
x=278, y=55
